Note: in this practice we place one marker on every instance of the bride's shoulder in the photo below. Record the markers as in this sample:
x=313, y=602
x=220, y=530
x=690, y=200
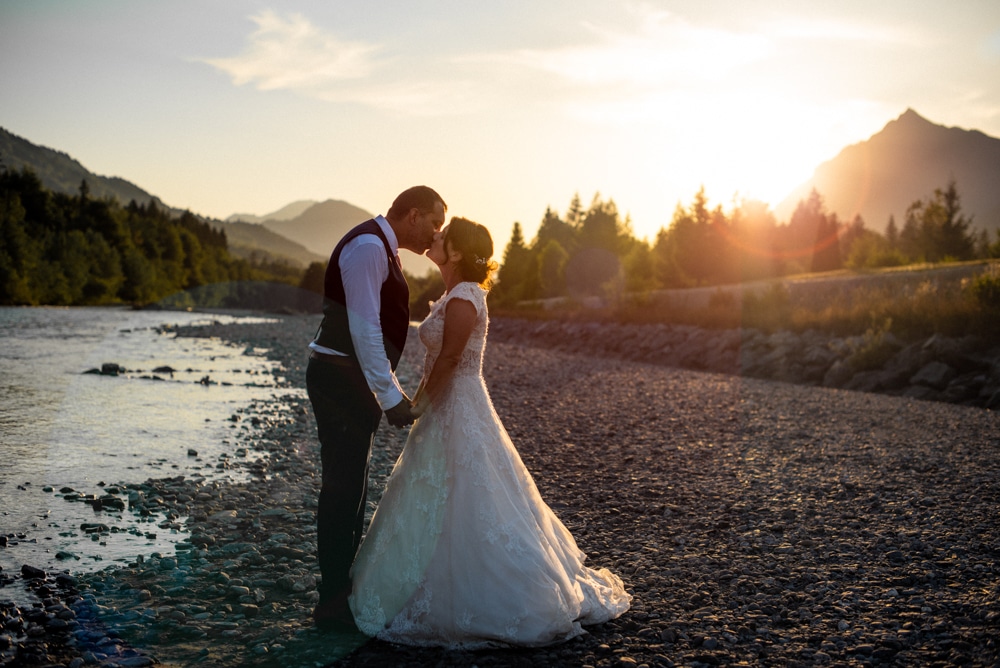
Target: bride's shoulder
x=469, y=291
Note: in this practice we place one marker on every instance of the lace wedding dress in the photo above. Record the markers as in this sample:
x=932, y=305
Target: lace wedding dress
x=462, y=551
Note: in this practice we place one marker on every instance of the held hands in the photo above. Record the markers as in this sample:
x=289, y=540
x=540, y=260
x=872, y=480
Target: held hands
x=400, y=415
x=420, y=404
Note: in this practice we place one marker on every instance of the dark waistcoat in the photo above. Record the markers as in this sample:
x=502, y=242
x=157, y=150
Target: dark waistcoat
x=394, y=302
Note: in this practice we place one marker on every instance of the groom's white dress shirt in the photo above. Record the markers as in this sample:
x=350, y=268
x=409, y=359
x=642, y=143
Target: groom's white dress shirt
x=364, y=268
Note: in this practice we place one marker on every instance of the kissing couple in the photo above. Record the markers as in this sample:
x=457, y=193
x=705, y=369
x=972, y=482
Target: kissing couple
x=462, y=552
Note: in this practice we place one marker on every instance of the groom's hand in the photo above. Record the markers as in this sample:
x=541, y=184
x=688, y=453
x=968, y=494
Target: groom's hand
x=400, y=414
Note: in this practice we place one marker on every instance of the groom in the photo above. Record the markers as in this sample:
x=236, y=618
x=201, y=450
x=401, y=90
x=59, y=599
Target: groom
x=351, y=377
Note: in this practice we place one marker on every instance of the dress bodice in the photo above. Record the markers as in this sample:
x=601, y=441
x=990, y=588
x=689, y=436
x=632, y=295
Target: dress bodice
x=431, y=330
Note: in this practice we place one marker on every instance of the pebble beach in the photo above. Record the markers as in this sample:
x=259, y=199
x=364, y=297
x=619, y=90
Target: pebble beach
x=754, y=522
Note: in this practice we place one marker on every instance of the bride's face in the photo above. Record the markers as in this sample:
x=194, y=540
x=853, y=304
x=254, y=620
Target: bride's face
x=437, y=253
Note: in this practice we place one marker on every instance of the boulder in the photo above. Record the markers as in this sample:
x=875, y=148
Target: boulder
x=936, y=375
x=993, y=403
x=921, y=392
x=957, y=353
x=864, y=381
x=32, y=573
x=839, y=373
x=957, y=392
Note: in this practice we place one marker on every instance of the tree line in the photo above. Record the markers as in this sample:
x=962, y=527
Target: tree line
x=594, y=252
x=58, y=249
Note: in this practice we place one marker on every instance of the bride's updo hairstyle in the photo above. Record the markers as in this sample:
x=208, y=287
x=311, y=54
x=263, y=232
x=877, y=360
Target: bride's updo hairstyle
x=475, y=244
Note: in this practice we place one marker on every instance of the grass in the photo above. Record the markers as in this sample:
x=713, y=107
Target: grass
x=954, y=300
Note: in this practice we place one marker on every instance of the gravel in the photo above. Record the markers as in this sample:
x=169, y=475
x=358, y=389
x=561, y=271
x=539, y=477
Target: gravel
x=754, y=522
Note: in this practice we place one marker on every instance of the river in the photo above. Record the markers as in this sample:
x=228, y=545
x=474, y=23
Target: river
x=62, y=428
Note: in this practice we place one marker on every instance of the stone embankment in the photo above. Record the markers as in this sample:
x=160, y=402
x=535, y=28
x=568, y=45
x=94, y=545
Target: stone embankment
x=956, y=370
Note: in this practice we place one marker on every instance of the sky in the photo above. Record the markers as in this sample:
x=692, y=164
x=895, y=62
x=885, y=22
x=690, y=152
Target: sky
x=505, y=108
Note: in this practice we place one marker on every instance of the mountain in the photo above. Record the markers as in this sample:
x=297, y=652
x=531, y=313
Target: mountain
x=62, y=174
x=248, y=240
x=320, y=226
x=904, y=162
x=286, y=212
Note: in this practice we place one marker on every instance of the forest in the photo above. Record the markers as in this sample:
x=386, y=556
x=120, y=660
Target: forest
x=57, y=249
x=594, y=253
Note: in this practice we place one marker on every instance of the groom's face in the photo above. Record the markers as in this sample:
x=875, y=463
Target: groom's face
x=425, y=226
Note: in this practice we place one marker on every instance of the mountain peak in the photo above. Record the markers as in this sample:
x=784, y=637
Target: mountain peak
x=911, y=116
x=908, y=124
x=287, y=212
x=905, y=162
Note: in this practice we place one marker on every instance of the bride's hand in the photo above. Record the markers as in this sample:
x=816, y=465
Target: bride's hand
x=420, y=404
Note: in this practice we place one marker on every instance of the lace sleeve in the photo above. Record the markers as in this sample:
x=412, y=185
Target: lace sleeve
x=470, y=292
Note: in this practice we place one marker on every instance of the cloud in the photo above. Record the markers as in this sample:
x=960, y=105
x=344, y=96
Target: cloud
x=836, y=30
x=293, y=54
x=425, y=98
x=290, y=53
x=664, y=50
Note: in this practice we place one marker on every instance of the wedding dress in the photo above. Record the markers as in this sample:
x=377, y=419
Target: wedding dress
x=462, y=551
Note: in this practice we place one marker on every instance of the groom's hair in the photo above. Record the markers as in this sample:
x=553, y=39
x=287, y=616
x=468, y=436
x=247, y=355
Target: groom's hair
x=421, y=198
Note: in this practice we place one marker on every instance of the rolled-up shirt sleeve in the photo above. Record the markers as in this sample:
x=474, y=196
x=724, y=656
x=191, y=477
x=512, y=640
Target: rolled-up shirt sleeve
x=364, y=268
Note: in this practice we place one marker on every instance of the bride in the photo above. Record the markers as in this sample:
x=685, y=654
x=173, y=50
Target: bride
x=462, y=552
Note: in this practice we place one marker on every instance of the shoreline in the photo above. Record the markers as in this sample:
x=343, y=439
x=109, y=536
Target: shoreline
x=752, y=521
x=183, y=607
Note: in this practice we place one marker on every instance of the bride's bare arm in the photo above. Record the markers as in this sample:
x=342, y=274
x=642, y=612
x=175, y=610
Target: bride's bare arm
x=459, y=320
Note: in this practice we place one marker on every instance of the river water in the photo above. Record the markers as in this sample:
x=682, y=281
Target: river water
x=63, y=428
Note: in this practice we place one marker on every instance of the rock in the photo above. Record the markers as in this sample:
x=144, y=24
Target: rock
x=32, y=573
x=994, y=372
x=236, y=591
x=89, y=527
x=106, y=502
x=993, y=403
x=936, y=375
x=66, y=581
x=223, y=516
x=111, y=369
x=865, y=381
x=839, y=373
x=957, y=392
x=135, y=662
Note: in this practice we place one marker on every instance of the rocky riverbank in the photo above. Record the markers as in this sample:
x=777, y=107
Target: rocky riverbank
x=962, y=370
x=755, y=523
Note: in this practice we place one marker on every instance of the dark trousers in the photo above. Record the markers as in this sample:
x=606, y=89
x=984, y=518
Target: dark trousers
x=347, y=416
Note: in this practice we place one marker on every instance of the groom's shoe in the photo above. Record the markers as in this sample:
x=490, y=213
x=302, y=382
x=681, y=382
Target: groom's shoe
x=334, y=615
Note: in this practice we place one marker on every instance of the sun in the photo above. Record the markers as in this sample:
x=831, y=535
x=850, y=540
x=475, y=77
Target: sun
x=758, y=153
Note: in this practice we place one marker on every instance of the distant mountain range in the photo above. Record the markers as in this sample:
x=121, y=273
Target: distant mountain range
x=904, y=162
x=286, y=212
x=253, y=239
x=318, y=226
